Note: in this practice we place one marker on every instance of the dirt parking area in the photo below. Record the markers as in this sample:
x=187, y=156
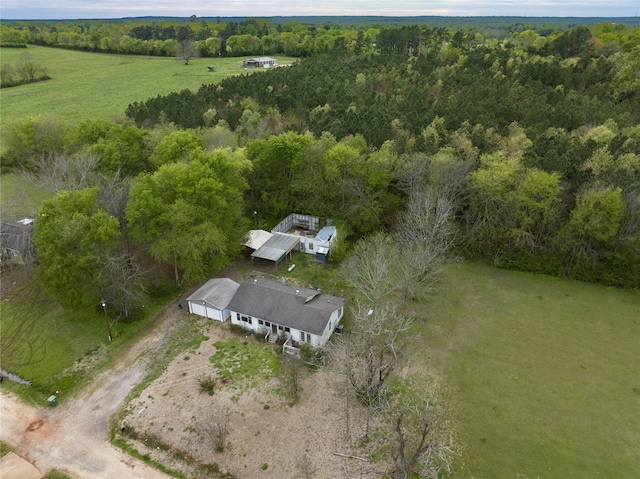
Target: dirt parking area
x=269, y=437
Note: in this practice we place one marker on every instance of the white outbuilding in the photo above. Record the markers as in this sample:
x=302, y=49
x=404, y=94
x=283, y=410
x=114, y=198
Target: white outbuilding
x=212, y=298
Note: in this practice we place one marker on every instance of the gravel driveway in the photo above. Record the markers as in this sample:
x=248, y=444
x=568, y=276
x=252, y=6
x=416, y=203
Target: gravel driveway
x=73, y=437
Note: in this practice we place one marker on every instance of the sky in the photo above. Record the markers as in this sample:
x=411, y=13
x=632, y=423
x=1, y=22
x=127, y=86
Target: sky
x=80, y=9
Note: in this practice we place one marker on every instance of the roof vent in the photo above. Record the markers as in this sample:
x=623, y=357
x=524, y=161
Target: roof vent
x=297, y=291
x=255, y=281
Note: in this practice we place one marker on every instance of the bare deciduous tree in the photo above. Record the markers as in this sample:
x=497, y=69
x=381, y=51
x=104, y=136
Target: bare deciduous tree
x=215, y=427
x=187, y=50
x=368, y=269
x=424, y=235
x=61, y=171
x=23, y=338
x=305, y=468
x=368, y=356
x=413, y=447
x=290, y=374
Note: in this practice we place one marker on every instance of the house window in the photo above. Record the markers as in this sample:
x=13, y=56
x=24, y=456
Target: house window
x=302, y=337
x=246, y=319
x=310, y=245
x=267, y=324
x=340, y=312
x=288, y=330
x=280, y=327
x=238, y=316
x=260, y=322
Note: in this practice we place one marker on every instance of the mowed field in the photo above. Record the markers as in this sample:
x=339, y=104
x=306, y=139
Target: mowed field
x=545, y=373
x=96, y=85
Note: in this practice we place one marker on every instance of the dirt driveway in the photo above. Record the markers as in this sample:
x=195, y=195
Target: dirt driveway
x=73, y=437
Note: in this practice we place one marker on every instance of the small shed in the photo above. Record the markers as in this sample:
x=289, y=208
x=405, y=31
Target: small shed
x=322, y=254
x=212, y=298
x=16, y=245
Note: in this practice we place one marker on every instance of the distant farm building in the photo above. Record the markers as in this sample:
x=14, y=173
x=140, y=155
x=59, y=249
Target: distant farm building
x=262, y=62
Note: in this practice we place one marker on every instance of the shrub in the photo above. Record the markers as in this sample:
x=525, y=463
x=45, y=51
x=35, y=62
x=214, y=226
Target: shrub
x=311, y=355
x=238, y=330
x=207, y=383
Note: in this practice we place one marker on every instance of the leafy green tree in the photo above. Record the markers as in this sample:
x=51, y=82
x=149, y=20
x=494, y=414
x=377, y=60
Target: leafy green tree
x=276, y=162
x=74, y=238
x=122, y=151
x=190, y=214
x=33, y=136
x=176, y=146
x=596, y=217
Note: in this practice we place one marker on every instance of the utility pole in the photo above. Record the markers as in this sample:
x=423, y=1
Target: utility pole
x=106, y=318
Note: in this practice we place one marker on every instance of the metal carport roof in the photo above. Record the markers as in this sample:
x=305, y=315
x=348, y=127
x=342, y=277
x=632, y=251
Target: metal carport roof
x=276, y=247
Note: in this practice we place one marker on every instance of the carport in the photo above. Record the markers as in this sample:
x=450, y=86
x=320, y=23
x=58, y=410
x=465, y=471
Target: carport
x=276, y=248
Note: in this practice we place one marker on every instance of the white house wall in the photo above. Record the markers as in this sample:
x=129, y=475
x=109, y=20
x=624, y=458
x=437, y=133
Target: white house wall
x=315, y=340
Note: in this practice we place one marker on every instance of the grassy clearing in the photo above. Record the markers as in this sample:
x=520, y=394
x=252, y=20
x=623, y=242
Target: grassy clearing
x=545, y=371
x=58, y=349
x=19, y=197
x=96, y=85
x=244, y=360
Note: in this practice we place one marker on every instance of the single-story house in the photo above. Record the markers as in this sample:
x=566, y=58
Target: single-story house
x=272, y=309
x=262, y=62
x=16, y=245
x=211, y=300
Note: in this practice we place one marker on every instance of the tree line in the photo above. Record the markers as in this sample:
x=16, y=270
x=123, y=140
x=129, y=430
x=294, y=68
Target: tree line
x=259, y=36
x=537, y=154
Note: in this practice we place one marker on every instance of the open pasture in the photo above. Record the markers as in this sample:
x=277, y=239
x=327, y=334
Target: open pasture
x=544, y=371
x=96, y=85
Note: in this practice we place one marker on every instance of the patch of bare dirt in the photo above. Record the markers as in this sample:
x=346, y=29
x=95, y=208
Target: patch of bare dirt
x=269, y=438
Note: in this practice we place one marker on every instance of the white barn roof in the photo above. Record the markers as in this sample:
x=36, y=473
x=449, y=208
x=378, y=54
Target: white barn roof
x=217, y=292
x=257, y=238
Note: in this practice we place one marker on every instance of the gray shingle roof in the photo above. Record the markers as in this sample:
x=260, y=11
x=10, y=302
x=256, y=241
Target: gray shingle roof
x=217, y=292
x=305, y=309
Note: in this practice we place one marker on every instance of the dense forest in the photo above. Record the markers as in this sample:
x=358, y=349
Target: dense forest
x=290, y=36
x=532, y=142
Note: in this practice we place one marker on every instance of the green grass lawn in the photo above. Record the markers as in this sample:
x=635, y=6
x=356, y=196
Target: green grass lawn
x=97, y=85
x=19, y=197
x=59, y=349
x=546, y=371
